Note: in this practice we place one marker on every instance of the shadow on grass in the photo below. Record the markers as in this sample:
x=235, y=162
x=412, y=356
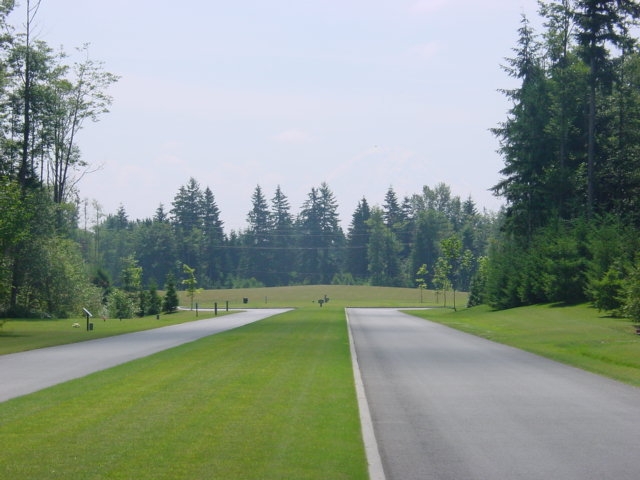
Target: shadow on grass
x=11, y=335
x=566, y=304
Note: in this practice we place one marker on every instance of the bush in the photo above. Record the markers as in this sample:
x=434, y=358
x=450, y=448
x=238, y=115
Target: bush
x=120, y=304
x=632, y=288
x=607, y=293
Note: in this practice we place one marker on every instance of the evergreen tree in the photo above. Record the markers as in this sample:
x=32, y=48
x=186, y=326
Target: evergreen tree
x=257, y=240
x=213, y=241
x=170, y=301
x=523, y=140
x=358, y=241
x=568, y=80
x=391, y=210
x=155, y=247
x=160, y=215
x=187, y=219
x=282, y=238
x=321, y=239
x=187, y=207
x=382, y=252
x=397, y=221
x=601, y=23
x=155, y=301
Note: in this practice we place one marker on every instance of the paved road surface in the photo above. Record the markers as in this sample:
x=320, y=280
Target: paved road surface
x=448, y=405
x=27, y=372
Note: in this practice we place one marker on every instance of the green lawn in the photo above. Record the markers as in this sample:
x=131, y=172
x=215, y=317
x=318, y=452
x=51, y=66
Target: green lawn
x=341, y=295
x=19, y=335
x=271, y=400
x=576, y=335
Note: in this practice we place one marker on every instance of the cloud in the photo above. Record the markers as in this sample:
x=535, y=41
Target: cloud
x=293, y=136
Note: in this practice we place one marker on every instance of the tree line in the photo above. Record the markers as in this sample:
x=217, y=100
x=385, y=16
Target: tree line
x=383, y=245
x=571, y=150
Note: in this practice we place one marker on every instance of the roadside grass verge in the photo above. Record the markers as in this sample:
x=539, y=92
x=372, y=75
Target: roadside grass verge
x=271, y=400
x=19, y=335
x=576, y=335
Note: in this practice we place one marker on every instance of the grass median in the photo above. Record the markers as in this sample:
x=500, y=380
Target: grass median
x=270, y=400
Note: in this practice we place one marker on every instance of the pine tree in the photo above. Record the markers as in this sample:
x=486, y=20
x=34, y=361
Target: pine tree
x=187, y=207
x=600, y=23
x=357, y=242
x=155, y=302
x=382, y=252
x=391, y=211
x=524, y=143
x=257, y=240
x=170, y=301
x=213, y=240
x=321, y=238
x=187, y=219
x=282, y=238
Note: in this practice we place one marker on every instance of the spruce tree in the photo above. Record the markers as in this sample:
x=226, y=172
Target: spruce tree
x=357, y=242
x=257, y=254
x=601, y=23
x=170, y=301
x=282, y=238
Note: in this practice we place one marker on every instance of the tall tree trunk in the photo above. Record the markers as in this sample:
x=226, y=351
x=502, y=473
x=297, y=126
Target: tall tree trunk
x=24, y=161
x=591, y=139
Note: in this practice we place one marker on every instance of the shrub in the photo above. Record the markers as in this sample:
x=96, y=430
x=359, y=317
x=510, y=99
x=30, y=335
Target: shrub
x=120, y=304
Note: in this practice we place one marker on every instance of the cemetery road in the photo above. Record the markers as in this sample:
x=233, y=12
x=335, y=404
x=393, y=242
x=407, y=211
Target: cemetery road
x=27, y=372
x=448, y=405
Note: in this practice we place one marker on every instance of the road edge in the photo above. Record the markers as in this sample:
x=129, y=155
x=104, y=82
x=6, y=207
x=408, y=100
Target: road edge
x=374, y=461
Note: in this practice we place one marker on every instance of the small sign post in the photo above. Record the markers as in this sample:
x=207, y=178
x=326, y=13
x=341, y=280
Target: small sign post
x=88, y=315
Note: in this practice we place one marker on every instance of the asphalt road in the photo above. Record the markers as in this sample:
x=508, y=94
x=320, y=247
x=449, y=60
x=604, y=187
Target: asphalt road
x=448, y=405
x=27, y=372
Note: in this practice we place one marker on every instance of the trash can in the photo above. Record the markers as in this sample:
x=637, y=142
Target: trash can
x=91, y=326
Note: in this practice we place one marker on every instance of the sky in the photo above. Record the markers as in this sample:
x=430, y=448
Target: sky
x=361, y=94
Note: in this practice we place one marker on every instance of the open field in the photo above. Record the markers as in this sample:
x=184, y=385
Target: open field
x=576, y=335
x=271, y=400
x=339, y=295
x=20, y=335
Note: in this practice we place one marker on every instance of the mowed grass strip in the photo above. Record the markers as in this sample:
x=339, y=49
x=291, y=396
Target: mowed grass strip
x=22, y=335
x=577, y=335
x=271, y=400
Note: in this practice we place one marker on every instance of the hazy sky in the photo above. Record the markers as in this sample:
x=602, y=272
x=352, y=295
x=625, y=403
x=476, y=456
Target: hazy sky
x=362, y=94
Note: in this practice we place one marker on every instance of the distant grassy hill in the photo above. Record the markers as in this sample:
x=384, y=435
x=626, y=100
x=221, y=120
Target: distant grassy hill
x=339, y=296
